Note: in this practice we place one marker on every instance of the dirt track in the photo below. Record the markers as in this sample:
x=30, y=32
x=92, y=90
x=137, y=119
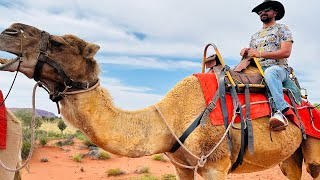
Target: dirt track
x=61, y=167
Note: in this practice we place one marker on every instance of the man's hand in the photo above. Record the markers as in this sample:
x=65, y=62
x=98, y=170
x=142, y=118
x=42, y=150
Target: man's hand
x=244, y=52
x=253, y=53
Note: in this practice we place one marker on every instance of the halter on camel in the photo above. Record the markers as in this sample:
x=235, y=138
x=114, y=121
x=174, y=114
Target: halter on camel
x=70, y=86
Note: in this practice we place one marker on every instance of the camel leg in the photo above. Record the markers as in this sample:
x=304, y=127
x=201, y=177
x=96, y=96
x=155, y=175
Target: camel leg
x=11, y=155
x=216, y=170
x=311, y=154
x=292, y=167
x=184, y=173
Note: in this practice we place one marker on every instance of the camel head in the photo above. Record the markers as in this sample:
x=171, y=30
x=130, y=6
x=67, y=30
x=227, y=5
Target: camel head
x=56, y=61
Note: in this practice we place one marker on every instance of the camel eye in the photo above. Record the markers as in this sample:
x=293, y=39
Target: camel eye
x=10, y=32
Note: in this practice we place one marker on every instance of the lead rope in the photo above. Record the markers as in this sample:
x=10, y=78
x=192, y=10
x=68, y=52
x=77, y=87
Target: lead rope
x=203, y=159
x=32, y=134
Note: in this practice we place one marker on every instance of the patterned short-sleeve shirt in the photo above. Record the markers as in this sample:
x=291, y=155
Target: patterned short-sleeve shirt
x=269, y=39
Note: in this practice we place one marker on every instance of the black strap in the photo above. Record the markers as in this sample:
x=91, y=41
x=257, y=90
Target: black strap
x=43, y=46
x=200, y=119
x=243, y=130
x=223, y=102
x=209, y=108
x=294, y=105
x=222, y=92
x=248, y=120
x=38, y=70
x=184, y=136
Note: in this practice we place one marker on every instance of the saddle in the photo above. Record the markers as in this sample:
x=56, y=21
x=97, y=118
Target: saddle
x=246, y=72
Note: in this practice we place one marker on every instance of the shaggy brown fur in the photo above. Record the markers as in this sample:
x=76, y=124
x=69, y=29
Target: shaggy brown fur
x=143, y=132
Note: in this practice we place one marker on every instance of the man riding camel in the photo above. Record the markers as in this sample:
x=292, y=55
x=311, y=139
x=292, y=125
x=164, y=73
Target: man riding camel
x=272, y=46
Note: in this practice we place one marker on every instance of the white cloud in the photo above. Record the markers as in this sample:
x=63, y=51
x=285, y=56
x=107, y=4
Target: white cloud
x=129, y=97
x=172, y=28
x=148, y=62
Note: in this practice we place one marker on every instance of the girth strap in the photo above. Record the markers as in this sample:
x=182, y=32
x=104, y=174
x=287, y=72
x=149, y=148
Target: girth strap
x=223, y=102
x=243, y=144
x=248, y=120
x=200, y=119
x=222, y=92
x=294, y=105
x=185, y=135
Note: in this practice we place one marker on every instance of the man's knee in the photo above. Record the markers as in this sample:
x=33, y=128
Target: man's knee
x=270, y=73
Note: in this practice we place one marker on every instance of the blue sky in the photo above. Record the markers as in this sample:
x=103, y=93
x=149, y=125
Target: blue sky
x=149, y=46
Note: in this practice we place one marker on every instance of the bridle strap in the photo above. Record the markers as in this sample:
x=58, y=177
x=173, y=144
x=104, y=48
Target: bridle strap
x=43, y=58
x=42, y=55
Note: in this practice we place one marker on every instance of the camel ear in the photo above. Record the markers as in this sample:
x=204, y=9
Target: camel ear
x=57, y=40
x=90, y=50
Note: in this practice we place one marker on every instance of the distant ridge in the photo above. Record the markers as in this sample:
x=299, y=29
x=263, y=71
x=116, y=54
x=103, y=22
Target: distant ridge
x=39, y=112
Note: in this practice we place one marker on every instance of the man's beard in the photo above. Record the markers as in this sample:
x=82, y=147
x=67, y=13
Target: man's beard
x=265, y=19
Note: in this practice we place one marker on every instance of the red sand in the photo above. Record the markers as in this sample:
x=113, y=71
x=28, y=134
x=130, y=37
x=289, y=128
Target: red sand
x=61, y=166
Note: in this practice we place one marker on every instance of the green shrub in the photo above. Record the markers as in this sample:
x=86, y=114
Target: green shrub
x=78, y=134
x=40, y=133
x=54, y=135
x=88, y=143
x=43, y=140
x=77, y=157
x=145, y=177
x=115, y=172
x=26, y=116
x=168, y=177
x=25, y=149
x=158, y=157
x=62, y=126
x=103, y=154
x=26, y=134
x=143, y=170
x=68, y=141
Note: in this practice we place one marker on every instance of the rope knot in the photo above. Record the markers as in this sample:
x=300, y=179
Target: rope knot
x=202, y=161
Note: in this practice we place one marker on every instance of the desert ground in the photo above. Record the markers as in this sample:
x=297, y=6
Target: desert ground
x=61, y=165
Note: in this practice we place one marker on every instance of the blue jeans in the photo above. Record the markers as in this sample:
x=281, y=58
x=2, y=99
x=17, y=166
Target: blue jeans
x=274, y=76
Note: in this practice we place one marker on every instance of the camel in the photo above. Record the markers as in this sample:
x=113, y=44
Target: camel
x=144, y=132
x=11, y=156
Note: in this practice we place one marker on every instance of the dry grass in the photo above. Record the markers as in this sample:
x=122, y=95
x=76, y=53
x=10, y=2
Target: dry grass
x=49, y=126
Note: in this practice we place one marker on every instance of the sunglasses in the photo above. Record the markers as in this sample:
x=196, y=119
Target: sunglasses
x=265, y=10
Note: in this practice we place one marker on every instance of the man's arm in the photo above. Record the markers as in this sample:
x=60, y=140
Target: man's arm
x=283, y=52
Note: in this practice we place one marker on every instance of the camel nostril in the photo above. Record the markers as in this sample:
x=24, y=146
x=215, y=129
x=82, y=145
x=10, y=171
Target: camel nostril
x=10, y=31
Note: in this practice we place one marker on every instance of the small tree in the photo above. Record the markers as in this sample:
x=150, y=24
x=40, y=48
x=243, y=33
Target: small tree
x=61, y=125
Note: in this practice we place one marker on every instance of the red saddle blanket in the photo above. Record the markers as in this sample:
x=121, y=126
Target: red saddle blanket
x=259, y=106
x=3, y=124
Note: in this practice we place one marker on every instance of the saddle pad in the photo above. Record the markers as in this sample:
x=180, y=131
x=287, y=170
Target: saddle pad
x=3, y=124
x=259, y=106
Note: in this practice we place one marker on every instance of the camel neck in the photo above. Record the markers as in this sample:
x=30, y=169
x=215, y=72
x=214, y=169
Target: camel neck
x=127, y=133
